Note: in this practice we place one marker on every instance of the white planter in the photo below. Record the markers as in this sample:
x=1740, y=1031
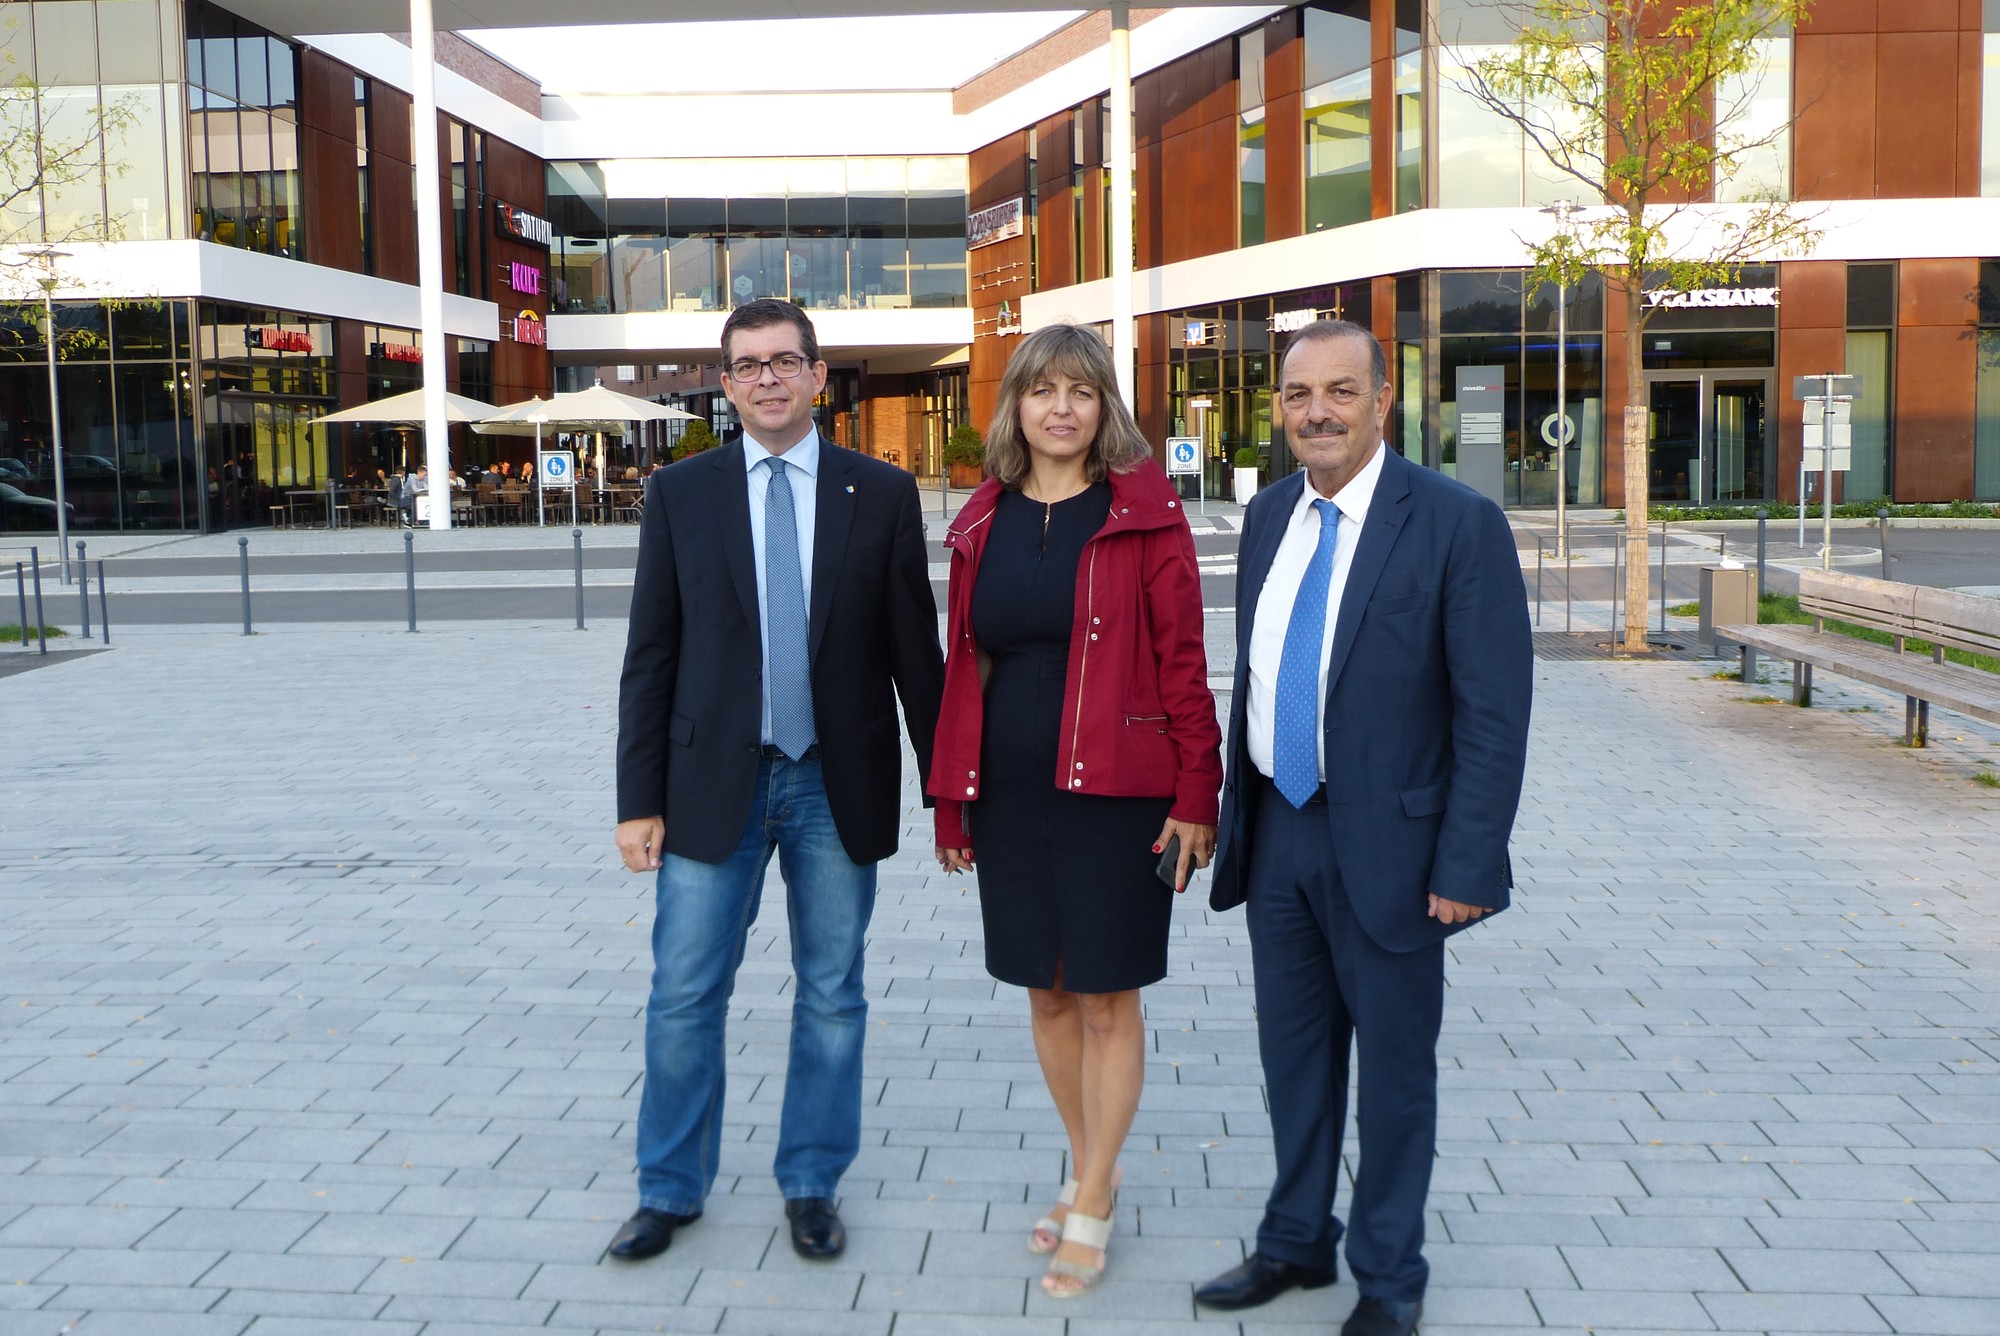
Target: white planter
x=1246, y=485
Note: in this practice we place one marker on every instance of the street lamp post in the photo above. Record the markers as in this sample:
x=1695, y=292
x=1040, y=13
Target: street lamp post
x=48, y=256
x=1562, y=209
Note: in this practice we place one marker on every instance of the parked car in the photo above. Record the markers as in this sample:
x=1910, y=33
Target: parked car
x=15, y=468
x=23, y=513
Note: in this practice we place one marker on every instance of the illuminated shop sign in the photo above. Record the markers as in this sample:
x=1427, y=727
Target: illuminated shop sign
x=527, y=327
x=1702, y=297
x=525, y=279
x=997, y=222
x=279, y=340
x=1291, y=322
x=1196, y=334
x=396, y=352
x=522, y=225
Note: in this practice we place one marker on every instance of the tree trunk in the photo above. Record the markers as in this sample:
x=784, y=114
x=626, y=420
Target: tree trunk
x=1638, y=417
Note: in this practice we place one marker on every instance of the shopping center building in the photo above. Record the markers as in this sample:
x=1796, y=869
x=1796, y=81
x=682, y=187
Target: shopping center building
x=259, y=186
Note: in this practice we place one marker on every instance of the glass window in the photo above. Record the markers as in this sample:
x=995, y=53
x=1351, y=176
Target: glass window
x=1986, y=419
x=128, y=41
x=1409, y=130
x=1478, y=151
x=1989, y=103
x=1753, y=112
x=937, y=246
x=1871, y=296
x=138, y=208
x=1479, y=301
x=756, y=249
x=878, y=248
x=73, y=193
x=695, y=254
x=1337, y=109
x=65, y=45
x=577, y=259
x=638, y=254
x=1249, y=137
x=1870, y=354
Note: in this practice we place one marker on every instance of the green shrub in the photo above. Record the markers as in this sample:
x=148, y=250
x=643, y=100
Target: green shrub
x=965, y=445
x=696, y=437
x=1246, y=456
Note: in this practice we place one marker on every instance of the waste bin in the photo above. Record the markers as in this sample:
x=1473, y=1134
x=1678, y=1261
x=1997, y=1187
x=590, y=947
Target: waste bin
x=1728, y=598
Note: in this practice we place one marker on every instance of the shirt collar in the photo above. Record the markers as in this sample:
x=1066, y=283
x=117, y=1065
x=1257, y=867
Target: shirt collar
x=804, y=456
x=1351, y=500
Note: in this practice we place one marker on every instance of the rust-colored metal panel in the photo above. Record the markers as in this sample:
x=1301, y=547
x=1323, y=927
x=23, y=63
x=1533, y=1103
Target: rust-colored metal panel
x=1149, y=380
x=1918, y=16
x=516, y=175
x=1055, y=225
x=1152, y=215
x=1842, y=16
x=1801, y=352
x=1917, y=98
x=1936, y=373
x=1834, y=81
x=1284, y=54
x=1284, y=167
x=1938, y=292
x=1192, y=219
x=1148, y=104
x=1971, y=65
x=1189, y=92
x=326, y=95
x=1381, y=137
x=1813, y=294
x=998, y=171
x=389, y=122
x=333, y=223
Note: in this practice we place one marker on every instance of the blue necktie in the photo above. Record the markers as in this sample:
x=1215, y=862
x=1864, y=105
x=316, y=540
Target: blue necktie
x=785, y=670
x=1295, y=724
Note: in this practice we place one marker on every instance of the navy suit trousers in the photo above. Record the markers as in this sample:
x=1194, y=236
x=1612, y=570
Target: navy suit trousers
x=1324, y=988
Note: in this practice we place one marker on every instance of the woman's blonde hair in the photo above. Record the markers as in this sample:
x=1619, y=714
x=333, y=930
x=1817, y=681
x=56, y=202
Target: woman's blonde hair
x=1080, y=354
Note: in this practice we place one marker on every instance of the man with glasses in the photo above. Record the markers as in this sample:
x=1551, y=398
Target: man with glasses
x=781, y=607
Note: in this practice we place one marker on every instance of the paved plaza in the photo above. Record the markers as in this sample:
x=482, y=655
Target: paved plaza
x=320, y=994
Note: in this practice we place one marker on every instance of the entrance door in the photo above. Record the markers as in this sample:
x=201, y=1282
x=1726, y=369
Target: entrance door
x=1709, y=438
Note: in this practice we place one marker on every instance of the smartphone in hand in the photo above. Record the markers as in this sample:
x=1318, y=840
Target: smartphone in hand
x=1169, y=867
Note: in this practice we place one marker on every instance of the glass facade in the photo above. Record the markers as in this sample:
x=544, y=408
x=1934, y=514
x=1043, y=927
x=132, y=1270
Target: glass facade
x=1871, y=352
x=1250, y=137
x=1337, y=109
x=1753, y=111
x=1486, y=320
x=90, y=122
x=243, y=134
x=1989, y=104
x=706, y=234
x=130, y=453
x=265, y=376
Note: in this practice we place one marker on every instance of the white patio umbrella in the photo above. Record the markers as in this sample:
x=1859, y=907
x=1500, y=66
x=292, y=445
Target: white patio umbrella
x=595, y=409
x=409, y=407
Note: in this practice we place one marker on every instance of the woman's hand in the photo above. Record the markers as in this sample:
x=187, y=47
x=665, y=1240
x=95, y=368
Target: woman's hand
x=954, y=860
x=1197, y=847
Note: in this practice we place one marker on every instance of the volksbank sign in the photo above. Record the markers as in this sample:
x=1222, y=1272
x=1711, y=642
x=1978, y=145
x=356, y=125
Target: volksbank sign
x=1677, y=299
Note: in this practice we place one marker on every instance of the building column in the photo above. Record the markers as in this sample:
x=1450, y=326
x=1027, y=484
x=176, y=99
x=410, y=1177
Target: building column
x=1118, y=265
x=430, y=258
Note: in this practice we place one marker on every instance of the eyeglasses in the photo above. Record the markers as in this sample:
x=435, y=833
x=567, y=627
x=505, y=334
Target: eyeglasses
x=784, y=366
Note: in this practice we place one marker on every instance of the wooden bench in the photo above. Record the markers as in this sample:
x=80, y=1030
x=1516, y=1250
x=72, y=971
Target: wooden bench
x=1907, y=612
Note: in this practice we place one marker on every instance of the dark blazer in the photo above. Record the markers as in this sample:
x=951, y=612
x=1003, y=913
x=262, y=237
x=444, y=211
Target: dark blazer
x=1426, y=709
x=689, y=703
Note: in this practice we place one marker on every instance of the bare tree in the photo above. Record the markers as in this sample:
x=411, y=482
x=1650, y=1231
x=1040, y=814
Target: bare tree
x=1647, y=105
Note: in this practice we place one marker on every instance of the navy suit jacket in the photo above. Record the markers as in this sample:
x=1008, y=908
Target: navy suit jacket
x=690, y=708
x=1427, y=704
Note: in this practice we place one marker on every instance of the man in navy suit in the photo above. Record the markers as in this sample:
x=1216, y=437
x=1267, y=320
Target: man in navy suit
x=782, y=606
x=1377, y=738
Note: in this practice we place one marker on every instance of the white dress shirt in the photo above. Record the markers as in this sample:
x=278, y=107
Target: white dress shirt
x=1281, y=590
x=803, y=474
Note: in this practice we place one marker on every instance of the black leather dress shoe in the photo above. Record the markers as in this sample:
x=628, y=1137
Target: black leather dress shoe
x=648, y=1233
x=1383, y=1317
x=816, y=1229
x=1258, y=1280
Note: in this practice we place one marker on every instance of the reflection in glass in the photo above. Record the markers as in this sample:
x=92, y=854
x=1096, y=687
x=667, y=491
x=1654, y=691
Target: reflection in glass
x=1478, y=151
x=137, y=207
x=1337, y=152
x=696, y=257
x=1986, y=419
x=1409, y=131
x=1755, y=108
x=1869, y=355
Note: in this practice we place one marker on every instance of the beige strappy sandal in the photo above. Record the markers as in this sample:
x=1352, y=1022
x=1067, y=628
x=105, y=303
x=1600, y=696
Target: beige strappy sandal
x=1091, y=1232
x=1048, y=1230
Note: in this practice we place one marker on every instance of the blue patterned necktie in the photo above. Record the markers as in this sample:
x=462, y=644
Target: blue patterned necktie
x=1295, y=725
x=785, y=670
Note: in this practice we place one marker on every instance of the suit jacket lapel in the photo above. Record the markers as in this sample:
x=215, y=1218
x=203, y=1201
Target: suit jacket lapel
x=835, y=500
x=732, y=510
x=1386, y=512
x=1257, y=565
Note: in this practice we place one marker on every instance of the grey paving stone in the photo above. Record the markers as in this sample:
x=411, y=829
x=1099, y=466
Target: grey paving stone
x=1793, y=1312
x=1932, y=1316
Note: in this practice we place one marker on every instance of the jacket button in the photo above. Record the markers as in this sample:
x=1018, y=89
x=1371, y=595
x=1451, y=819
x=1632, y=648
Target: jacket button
x=972, y=774
x=1076, y=783
x=1079, y=765
x=1172, y=504
x=1093, y=635
x=971, y=792
x=1097, y=621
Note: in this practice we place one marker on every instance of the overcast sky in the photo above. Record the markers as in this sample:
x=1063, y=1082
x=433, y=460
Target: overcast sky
x=756, y=55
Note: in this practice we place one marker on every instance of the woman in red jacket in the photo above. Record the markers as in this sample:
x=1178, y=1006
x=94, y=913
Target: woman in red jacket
x=1077, y=743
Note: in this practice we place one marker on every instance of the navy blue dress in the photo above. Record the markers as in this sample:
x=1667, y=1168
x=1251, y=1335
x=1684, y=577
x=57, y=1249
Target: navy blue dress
x=1066, y=882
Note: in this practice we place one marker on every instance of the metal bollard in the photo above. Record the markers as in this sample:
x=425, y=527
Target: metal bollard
x=576, y=537
x=243, y=551
x=83, y=586
x=1763, y=517
x=1663, y=579
x=41, y=623
x=1617, y=570
x=410, y=575
x=103, y=605
x=21, y=587
x=1882, y=523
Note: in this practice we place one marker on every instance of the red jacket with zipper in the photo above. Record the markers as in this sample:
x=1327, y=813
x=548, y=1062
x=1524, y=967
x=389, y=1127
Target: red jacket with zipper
x=1138, y=717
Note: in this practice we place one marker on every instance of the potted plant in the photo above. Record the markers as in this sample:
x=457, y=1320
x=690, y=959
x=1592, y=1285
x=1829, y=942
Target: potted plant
x=965, y=455
x=1246, y=474
x=696, y=437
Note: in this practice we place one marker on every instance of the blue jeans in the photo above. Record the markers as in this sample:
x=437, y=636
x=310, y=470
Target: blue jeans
x=701, y=920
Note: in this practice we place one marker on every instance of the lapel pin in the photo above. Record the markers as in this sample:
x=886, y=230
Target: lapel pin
x=850, y=489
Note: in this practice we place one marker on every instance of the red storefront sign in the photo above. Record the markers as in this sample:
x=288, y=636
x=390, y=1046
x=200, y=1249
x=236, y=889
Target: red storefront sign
x=280, y=340
x=527, y=327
